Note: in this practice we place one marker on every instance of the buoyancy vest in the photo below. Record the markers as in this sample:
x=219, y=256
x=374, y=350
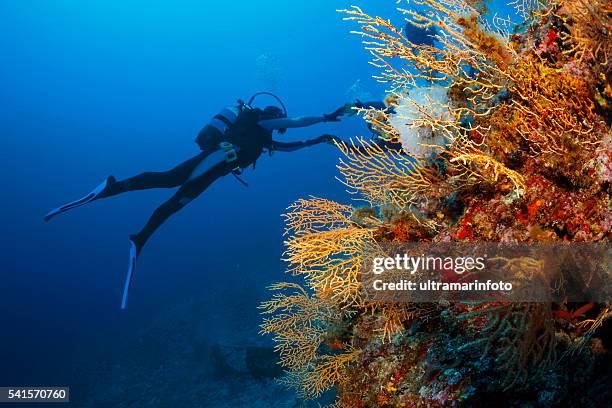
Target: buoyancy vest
x=238, y=125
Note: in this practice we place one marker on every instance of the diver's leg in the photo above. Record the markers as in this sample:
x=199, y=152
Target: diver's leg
x=189, y=191
x=155, y=179
x=110, y=187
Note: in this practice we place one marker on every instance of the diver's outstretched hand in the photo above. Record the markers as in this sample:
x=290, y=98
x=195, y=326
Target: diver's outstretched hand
x=335, y=115
x=380, y=105
x=351, y=109
x=329, y=139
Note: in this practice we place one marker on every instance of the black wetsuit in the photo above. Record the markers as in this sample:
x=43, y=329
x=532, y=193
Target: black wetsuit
x=249, y=140
x=178, y=176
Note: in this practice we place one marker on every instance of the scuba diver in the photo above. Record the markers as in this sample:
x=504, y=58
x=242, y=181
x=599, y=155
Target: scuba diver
x=232, y=141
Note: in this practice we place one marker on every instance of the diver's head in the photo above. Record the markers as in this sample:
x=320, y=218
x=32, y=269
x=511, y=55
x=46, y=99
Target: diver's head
x=273, y=112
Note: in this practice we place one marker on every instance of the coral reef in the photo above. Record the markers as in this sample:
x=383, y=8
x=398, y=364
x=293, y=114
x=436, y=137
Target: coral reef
x=527, y=120
x=420, y=139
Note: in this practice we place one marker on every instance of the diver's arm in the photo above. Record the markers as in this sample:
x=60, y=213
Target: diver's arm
x=384, y=145
x=302, y=121
x=380, y=105
x=287, y=123
x=293, y=146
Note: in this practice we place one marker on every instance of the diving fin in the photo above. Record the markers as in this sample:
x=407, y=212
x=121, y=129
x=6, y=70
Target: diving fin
x=83, y=200
x=130, y=275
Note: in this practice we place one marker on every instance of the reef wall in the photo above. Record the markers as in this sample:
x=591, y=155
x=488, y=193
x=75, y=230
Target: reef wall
x=526, y=120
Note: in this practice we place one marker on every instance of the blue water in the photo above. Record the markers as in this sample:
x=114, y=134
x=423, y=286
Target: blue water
x=119, y=87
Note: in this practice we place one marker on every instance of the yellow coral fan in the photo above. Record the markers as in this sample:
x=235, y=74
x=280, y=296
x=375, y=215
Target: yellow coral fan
x=387, y=176
x=329, y=258
x=384, y=176
x=299, y=324
x=488, y=170
x=316, y=214
x=545, y=108
x=330, y=370
x=393, y=316
x=589, y=29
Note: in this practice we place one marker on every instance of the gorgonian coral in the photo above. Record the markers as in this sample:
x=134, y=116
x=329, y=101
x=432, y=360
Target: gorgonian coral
x=523, y=155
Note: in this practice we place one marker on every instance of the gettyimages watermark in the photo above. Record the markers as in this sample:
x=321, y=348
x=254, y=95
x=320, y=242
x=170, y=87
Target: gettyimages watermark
x=433, y=272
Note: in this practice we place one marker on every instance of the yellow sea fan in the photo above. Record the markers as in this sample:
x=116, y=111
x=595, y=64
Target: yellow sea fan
x=306, y=216
x=298, y=323
x=486, y=168
x=329, y=370
x=383, y=176
x=330, y=261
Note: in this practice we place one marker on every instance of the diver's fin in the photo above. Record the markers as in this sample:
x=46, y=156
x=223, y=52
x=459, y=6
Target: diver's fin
x=83, y=200
x=130, y=275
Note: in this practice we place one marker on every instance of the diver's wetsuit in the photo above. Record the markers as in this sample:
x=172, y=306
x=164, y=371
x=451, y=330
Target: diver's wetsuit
x=190, y=188
x=249, y=136
x=233, y=140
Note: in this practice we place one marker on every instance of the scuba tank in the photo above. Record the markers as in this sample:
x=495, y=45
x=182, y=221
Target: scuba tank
x=214, y=132
x=231, y=131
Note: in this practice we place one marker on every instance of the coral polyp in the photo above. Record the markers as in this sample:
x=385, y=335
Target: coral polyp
x=521, y=154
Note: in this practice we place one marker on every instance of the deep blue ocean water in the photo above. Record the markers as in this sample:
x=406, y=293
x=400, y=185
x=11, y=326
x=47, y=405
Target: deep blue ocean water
x=96, y=88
